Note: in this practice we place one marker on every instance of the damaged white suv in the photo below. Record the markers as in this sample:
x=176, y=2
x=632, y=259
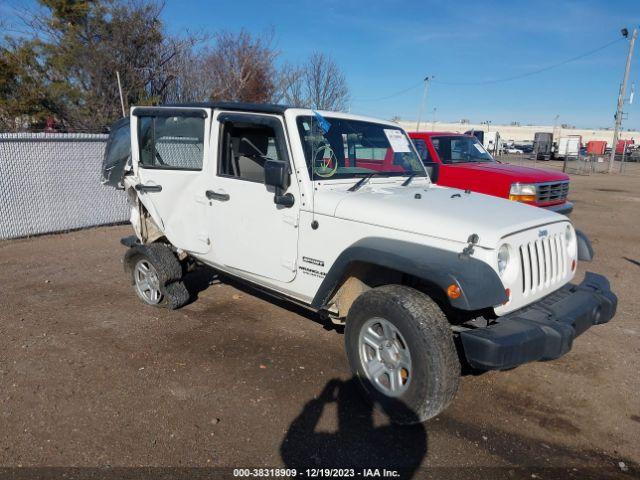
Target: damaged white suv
x=336, y=212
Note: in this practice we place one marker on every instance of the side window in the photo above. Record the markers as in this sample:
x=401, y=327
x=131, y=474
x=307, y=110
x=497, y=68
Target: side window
x=421, y=146
x=175, y=143
x=246, y=145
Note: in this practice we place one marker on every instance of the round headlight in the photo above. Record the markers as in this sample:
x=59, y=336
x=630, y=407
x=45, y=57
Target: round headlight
x=503, y=258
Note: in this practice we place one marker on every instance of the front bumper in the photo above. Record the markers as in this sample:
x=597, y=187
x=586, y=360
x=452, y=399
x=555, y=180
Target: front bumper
x=562, y=208
x=541, y=331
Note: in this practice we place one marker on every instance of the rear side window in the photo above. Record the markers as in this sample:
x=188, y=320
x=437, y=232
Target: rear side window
x=421, y=146
x=175, y=143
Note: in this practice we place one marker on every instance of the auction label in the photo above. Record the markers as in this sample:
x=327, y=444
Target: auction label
x=315, y=473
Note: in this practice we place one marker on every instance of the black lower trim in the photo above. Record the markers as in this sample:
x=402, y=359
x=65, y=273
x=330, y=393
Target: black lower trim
x=544, y=330
x=130, y=241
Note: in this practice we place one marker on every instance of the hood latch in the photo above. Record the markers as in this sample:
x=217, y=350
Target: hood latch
x=471, y=242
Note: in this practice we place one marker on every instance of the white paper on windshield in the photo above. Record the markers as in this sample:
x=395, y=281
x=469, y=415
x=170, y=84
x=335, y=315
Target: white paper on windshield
x=397, y=140
x=479, y=147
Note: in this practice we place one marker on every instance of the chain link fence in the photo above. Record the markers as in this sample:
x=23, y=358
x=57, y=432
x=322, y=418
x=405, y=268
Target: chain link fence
x=50, y=182
x=583, y=165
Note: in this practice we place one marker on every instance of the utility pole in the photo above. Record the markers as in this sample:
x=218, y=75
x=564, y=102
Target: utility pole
x=623, y=91
x=555, y=127
x=124, y=114
x=427, y=79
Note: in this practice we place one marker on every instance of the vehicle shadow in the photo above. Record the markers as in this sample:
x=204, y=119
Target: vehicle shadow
x=202, y=277
x=199, y=279
x=357, y=442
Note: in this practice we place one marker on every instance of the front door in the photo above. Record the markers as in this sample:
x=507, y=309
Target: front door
x=249, y=231
x=169, y=161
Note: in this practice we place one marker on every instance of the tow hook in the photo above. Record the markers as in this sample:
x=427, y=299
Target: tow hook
x=471, y=242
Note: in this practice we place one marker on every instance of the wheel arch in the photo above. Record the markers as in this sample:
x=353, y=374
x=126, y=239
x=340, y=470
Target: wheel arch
x=382, y=261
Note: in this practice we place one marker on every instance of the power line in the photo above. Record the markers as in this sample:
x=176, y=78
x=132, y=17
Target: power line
x=487, y=82
x=534, y=72
x=408, y=89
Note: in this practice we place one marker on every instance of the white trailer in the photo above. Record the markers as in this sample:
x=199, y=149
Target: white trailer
x=568, y=146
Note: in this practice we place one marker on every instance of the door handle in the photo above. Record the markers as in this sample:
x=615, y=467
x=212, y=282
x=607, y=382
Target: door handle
x=148, y=188
x=211, y=195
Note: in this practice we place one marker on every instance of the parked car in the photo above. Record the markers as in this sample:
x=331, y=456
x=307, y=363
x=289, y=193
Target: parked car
x=335, y=212
x=512, y=150
x=462, y=162
x=526, y=147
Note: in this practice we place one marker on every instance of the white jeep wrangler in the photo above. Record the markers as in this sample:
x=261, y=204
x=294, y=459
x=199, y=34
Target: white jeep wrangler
x=336, y=212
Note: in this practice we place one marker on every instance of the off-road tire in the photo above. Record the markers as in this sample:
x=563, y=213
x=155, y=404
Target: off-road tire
x=169, y=271
x=435, y=364
x=176, y=295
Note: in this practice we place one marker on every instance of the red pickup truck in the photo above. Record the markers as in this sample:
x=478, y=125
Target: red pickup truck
x=460, y=161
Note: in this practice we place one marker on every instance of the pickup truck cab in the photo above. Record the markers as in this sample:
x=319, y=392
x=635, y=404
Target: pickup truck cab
x=462, y=162
x=335, y=212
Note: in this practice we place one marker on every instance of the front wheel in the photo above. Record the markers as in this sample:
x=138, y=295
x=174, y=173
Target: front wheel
x=400, y=346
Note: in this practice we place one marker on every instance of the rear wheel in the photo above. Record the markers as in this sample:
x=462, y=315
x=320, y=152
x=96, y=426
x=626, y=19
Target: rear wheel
x=156, y=276
x=400, y=346
x=146, y=281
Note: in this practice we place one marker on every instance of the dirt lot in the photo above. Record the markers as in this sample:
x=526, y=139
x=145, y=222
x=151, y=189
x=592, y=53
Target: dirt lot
x=91, y=377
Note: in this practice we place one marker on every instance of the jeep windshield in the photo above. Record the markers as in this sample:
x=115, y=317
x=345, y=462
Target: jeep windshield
x=341, y=148
x=460, y=149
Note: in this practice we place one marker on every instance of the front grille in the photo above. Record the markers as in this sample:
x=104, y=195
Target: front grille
x=552, y=192
x=543, y=263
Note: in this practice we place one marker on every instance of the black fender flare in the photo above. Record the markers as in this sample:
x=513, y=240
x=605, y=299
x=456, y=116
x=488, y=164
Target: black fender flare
x=480, y=285
x=585, y=250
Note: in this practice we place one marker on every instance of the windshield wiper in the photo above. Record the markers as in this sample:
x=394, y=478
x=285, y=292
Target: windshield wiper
x=409, y=179
x=362, y=181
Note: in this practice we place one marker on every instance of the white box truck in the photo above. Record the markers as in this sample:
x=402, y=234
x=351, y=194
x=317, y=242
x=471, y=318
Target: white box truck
x=568, y=146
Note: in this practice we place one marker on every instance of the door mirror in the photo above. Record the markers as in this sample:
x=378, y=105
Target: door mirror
x=433, y=169
x=276, y=174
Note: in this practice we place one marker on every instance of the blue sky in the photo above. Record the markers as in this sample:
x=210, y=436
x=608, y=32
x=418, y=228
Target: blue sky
x=387, y=46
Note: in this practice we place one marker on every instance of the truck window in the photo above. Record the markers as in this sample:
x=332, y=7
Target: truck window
x=421, y=146
x=175, y=143
x=246, y=146
x=460, y=149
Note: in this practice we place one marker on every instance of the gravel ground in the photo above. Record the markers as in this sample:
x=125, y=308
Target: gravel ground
x=90, y=377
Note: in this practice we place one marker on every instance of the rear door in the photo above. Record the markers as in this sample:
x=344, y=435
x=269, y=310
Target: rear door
x=171, y=149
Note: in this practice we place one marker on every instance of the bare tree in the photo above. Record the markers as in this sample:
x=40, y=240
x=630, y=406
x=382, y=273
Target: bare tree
x=192, y=82
x=325, y=83
x=291, y=86
x=241, y=67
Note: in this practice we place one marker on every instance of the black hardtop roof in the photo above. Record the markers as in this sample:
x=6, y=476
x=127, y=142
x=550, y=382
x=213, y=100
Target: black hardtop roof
x=236, y=106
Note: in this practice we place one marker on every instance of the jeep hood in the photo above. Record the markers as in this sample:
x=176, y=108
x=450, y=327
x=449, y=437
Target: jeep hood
x=441, y=212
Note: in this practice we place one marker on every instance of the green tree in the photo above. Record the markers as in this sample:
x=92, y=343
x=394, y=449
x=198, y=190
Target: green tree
x=23, y=100
x=68, y=66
